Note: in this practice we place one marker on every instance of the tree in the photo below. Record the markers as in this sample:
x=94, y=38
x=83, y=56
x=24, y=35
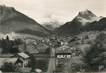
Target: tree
x=9, y=67
x=6, y=45
x=93, y=57
x=10, y=46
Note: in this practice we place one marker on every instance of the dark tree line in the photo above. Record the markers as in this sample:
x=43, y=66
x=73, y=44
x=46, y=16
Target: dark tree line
x=95, y=57
x=10, y=46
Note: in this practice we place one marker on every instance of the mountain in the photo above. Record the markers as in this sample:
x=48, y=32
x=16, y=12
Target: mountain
x=52, y=25
x=13, y=21
x=80, y=23
x=96, y=25
x=86, y=17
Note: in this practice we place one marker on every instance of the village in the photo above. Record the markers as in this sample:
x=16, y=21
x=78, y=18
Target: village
x=24, y=56
x=49, y=55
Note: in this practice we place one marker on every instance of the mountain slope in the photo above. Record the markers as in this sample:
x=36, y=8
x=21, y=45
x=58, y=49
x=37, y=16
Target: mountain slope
x=96, y=25
x=79, y=24
x=14, y=21
x=69, y=28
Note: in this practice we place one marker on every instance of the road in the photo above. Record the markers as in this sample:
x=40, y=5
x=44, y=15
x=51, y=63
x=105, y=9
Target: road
x=51, y=66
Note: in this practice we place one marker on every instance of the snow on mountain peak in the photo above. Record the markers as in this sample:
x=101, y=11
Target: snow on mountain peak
x=86, y=14
x=86, y=17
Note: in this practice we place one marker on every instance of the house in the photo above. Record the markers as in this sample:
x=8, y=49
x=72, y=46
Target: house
x=63, y=49
x=22, y=60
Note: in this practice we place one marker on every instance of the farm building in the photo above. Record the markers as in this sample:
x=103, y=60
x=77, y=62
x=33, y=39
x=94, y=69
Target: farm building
x=22, y=59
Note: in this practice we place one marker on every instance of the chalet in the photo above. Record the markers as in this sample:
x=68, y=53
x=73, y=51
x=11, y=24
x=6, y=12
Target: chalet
x=63, y=49
x=22, y=60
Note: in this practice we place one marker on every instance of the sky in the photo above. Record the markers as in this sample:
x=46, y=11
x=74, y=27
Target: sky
x=56, y=10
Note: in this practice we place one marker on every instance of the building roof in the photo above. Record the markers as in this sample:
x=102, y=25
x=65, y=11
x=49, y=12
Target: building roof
x=23, y=55
x=63, y=49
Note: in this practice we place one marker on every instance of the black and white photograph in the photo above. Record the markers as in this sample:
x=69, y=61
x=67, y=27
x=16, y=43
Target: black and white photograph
x=52, y=36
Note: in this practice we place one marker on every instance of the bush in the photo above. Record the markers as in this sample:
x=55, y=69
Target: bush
x=9, y=67
x=93, y=57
